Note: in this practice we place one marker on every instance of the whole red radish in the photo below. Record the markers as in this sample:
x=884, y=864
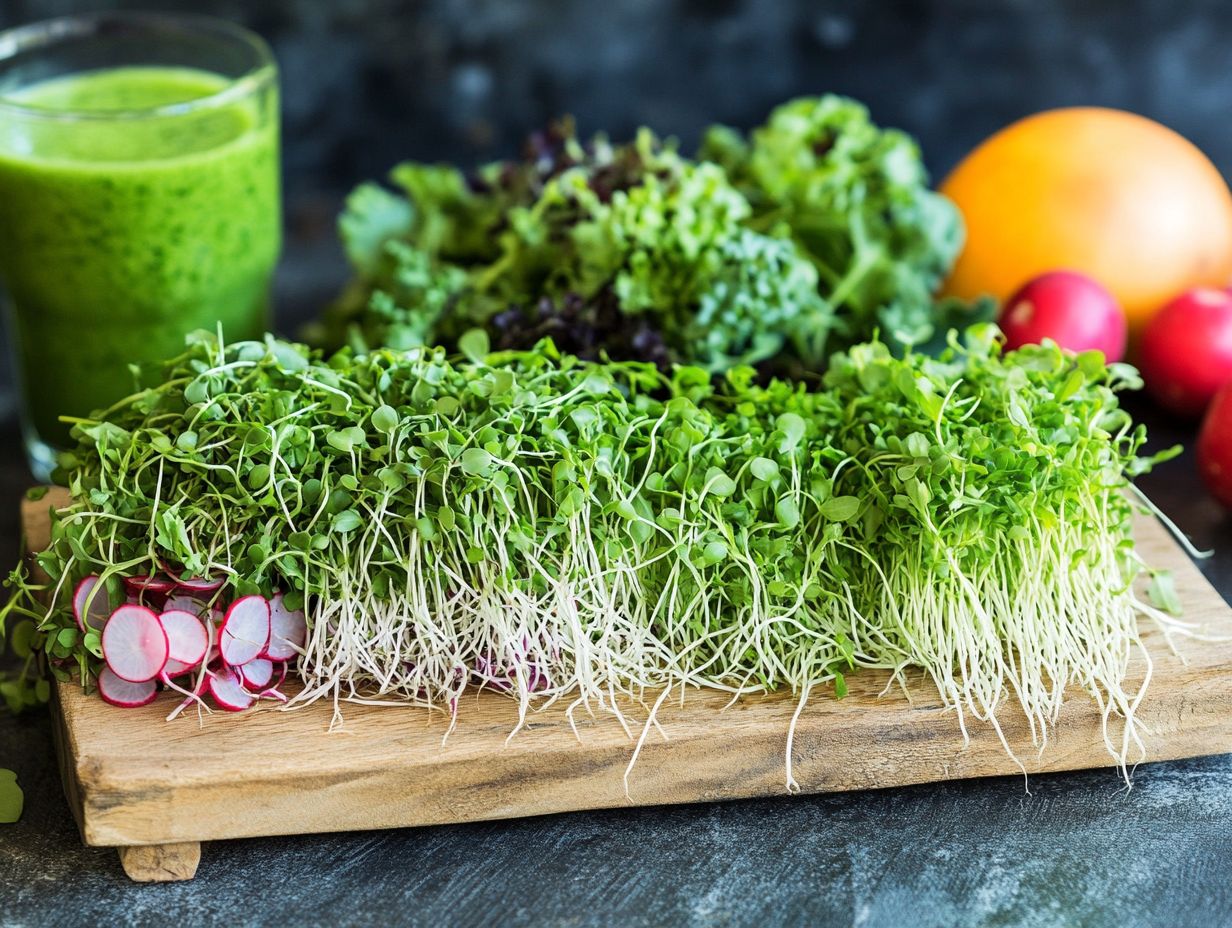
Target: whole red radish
x=1215, y=446
x=1186, y=351
x=1071, y=309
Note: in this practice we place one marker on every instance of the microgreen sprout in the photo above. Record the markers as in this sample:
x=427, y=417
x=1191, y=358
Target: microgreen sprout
x=602, y=534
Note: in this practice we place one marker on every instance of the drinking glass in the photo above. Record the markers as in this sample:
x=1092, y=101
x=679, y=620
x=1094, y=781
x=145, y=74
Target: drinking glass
x=139, y=201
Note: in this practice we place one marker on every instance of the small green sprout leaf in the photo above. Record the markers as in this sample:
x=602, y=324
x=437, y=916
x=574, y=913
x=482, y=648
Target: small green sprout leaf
x=474, y=346
x=346, y=521
x=1162, y=591
x=840, y=508
x=476, y=462
x=12, y=799
x=384, y=419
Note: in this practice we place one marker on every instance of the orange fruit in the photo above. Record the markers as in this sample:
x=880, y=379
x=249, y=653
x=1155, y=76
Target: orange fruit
x=1106, y=193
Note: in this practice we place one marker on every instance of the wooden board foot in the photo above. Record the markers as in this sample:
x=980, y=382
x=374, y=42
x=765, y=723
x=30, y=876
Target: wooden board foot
x=161, y=863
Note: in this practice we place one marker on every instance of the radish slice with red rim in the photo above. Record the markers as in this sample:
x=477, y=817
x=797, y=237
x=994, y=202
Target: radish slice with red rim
x=91, y=605
x=134, y=644
x=272, y=691
x=157, y=585
x=229, y=692
x=245, y=631
x=197, y=585
x=191, y=585
x=176, y=668
x=288, y=631
x=256, y=674
x=187, y=639
x=185, y=603
x=125, y=693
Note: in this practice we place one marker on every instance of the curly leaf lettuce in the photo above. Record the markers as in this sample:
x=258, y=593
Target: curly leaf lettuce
x=815, y=232
x=856, y=199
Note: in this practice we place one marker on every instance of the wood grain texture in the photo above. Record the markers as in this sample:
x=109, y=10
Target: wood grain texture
x=161, y=863
x=132, y=778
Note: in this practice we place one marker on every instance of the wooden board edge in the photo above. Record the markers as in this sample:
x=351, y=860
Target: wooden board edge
x=66, y=750
x=97, y=805
x=439, y=791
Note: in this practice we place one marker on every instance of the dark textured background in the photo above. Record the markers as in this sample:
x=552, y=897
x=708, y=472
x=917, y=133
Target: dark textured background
x=371, y=81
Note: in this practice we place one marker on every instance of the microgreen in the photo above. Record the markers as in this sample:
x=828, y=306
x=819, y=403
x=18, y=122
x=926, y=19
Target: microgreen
x=566, y=530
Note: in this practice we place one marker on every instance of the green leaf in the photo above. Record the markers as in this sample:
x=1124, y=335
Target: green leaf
x=474, y=345
x=917, y=445
x=385, y=419
x=763, y=469
x=93, y=643
x=793, y=428
x=346, y=521
x=391, y=479
x=476, y=462
x=718, y=483
x=787, y=512
x=12, y=799
x=21, y=637
x=1162, y=592
x=372, y=216
x=1073, y=383
x=346, y=439
x=258, y=477
x=840, y=508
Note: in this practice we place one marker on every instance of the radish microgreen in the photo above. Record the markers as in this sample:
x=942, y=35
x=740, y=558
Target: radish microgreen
x=564, y=530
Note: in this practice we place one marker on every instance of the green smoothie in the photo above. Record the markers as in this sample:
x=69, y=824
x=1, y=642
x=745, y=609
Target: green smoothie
x=119, y=235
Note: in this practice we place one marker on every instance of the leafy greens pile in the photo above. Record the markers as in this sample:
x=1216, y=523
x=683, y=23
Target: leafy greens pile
x=562, y=529
x=814, y=233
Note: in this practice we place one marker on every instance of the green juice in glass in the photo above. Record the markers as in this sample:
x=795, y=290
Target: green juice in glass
x=118, y=236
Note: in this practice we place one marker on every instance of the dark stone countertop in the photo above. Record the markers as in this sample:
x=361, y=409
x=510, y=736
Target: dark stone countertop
x=1077, y=850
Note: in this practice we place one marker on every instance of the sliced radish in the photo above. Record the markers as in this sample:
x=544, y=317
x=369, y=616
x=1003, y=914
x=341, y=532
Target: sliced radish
x=125, y=693
x=229, y=692
x=245, y=631
x=256, y=674
x=288, y=631
x=134, y=644
x=91, y=612
x=272, y=691
x=159, y=586
x=187, y=639
x=176, y=668
x=186, y=603
x=197, y=585
x=191, y=585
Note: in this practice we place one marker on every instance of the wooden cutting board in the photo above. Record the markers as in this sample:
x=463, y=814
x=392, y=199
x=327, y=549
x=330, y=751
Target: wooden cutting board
x=155, y=790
